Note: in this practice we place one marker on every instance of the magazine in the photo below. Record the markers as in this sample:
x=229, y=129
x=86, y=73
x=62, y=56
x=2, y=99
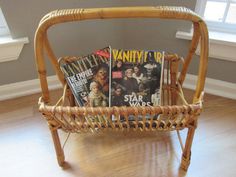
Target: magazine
x=88, y=77
x=115, y=77
x=136, y=77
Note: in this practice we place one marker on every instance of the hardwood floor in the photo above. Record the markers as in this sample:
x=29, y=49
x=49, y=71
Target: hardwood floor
x=26, y=147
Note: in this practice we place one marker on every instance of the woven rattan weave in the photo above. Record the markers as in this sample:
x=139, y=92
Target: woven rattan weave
x=173, y=114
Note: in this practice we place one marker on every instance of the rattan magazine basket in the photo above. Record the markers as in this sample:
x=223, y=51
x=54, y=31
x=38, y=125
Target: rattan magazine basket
x=175, y=113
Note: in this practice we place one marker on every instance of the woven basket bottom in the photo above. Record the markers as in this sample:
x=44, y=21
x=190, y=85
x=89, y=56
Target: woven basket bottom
x=162, y=118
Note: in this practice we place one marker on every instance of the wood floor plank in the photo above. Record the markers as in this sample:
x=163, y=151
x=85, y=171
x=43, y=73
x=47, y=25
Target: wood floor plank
x=26, y=147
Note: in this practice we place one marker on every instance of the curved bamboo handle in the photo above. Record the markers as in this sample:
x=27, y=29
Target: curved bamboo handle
x=68, y=15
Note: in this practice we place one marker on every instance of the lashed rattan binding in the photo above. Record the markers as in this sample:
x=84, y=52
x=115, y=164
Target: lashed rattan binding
x=174, y=113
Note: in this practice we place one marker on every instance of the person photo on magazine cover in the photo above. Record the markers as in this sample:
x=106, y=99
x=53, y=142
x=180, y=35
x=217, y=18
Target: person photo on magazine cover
x=138, y=75
x=101, y=77
x=118, y=96
x=96, y=97
x=152, y=70
x=130, y=83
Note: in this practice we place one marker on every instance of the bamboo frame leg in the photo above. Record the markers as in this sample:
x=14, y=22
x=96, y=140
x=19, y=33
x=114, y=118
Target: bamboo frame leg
x=57, y=146
x=186, y=156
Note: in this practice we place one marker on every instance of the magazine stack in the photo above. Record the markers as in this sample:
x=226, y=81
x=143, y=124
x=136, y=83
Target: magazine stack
x=115, y=77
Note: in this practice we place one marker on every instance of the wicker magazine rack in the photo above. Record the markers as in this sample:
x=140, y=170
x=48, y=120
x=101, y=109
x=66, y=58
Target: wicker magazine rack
x=175, y=113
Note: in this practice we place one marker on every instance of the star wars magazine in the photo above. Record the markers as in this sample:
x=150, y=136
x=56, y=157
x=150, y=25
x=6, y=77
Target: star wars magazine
x=88, y=77
x=136, y=77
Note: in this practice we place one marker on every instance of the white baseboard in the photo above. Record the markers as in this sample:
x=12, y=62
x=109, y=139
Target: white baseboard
x=212, y=86
x=24, y=88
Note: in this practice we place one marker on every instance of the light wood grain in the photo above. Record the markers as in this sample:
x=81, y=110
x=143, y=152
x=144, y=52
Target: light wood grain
x=26, y=147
